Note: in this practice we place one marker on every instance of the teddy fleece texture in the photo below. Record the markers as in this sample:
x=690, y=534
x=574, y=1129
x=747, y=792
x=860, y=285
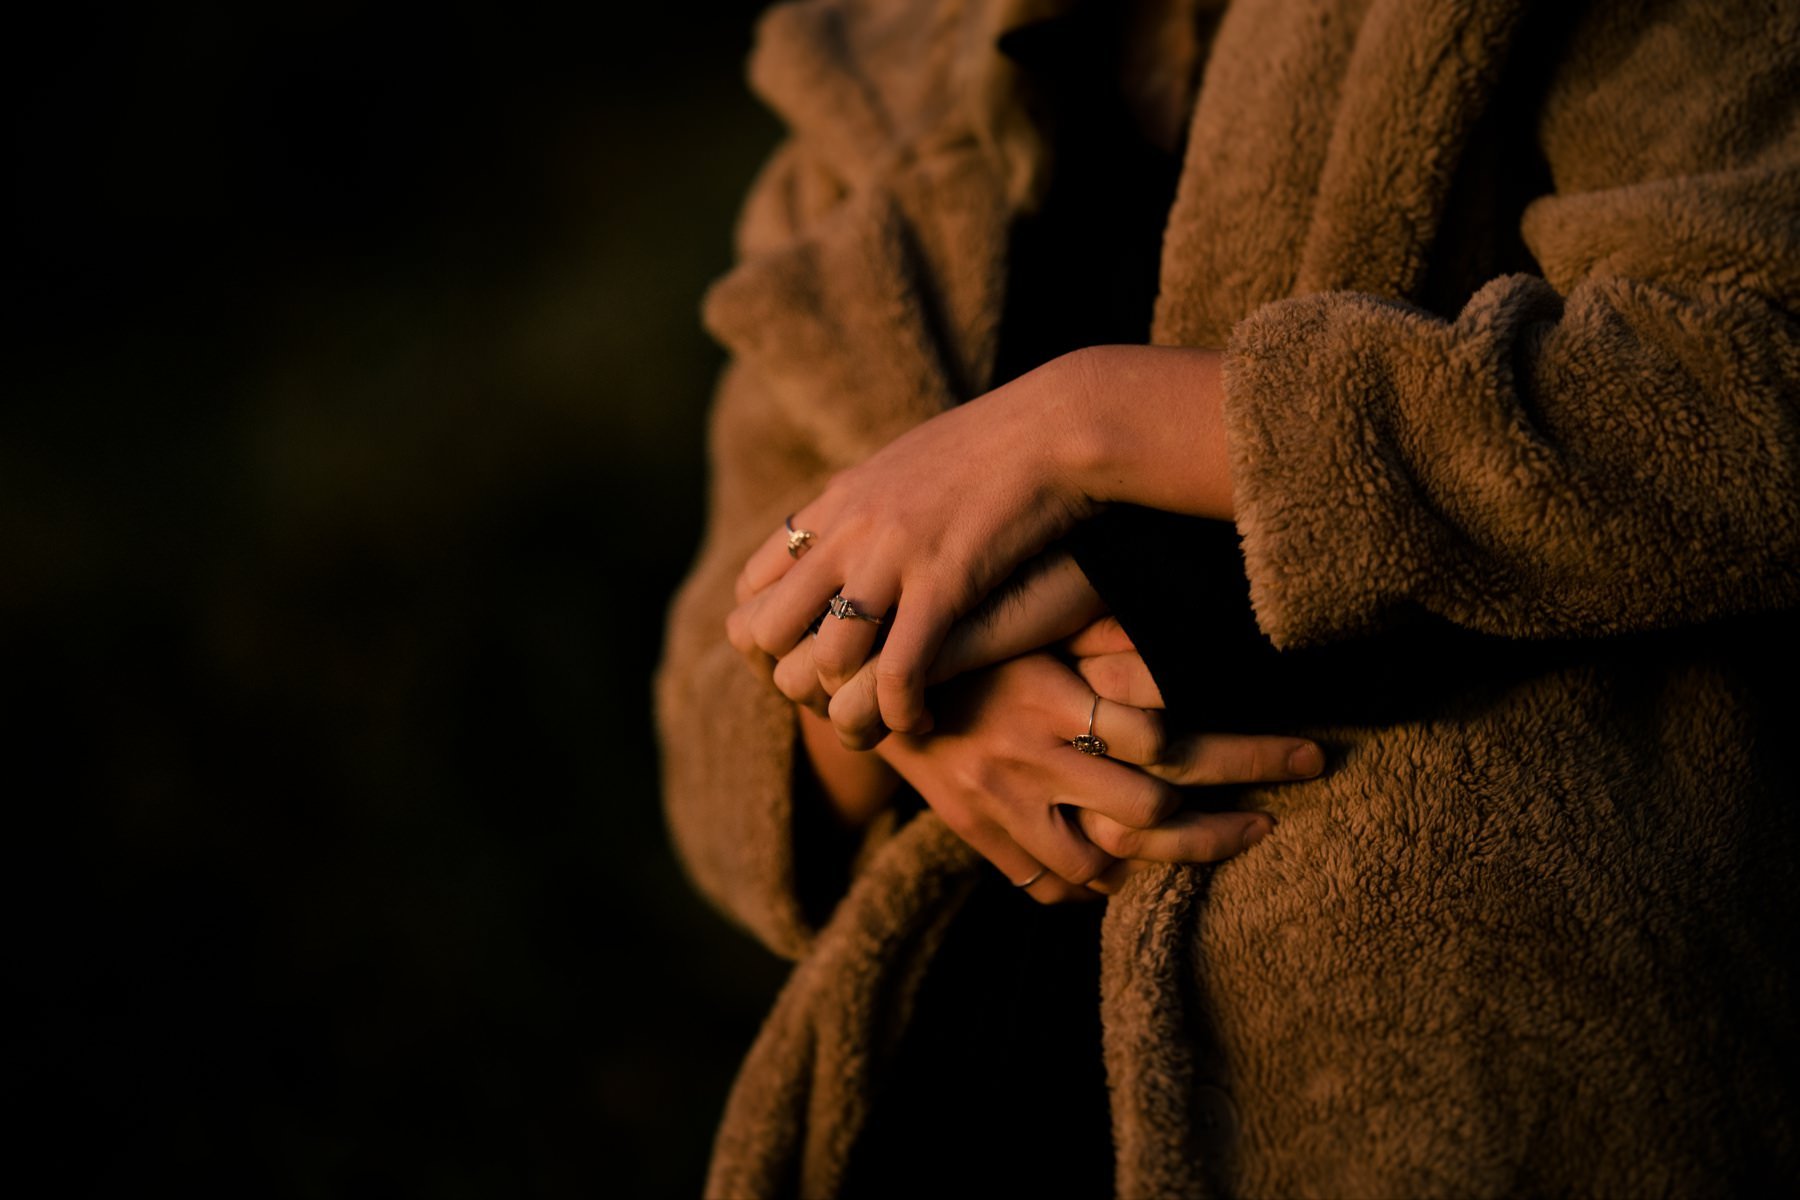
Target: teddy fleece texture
x=1508, y=294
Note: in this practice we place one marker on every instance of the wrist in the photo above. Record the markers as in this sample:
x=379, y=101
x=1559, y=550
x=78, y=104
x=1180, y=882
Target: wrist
x=1144, y=425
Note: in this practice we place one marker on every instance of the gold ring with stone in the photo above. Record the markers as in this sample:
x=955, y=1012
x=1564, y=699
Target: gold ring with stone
x=1089, y=742
x=798, y=539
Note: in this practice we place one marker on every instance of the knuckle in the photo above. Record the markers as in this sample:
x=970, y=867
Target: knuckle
x=761, y=632
x=855, y=693
x=852, y=719
x=896, y=670
x=832, y=664
x=1153, y=804
x=1120, y=841
x=856, y=729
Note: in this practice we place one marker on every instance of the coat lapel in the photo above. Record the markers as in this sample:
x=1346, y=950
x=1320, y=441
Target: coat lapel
x=872, y=262
x=1321, y=151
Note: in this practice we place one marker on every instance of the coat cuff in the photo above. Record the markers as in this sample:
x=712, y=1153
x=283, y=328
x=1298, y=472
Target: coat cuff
x=1325, y=511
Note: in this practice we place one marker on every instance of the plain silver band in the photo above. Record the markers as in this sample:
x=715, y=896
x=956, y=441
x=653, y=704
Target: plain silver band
x=1042, y=871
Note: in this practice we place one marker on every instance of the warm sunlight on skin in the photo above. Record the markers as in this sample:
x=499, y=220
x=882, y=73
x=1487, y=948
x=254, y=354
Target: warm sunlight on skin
x=920, y=535
x=927, y=526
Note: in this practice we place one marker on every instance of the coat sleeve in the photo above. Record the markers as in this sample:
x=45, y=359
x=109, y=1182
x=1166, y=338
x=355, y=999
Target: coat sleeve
x=1613, y=446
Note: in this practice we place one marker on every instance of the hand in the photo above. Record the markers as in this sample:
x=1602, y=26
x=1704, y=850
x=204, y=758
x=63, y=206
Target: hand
x=1047, y=601
x=1113, y=668
x=1001, y=772
x=918, y=534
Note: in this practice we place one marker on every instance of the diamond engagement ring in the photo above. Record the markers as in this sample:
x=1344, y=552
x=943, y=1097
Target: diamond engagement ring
x=1089, y=742
x=798, y=539
x=845, y=610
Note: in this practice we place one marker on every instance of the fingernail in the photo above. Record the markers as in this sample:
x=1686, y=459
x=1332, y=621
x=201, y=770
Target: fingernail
x=1255, y=833
x=1306, y=760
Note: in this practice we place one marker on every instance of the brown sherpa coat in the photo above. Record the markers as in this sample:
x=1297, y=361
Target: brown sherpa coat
x=1533, y=942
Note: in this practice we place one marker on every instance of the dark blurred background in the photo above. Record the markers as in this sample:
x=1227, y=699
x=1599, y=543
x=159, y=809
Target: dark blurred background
x=351, y=450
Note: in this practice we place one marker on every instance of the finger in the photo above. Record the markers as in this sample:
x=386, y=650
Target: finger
x=781, y=615
x=1052, y=890
x=1186, y=837
x=1048, y=600
x=844, y=642
x=920, y=622
x=737, y=632
x=855, y=711
x=1128, y=734
x=1125, y=732
x=1105, y=636
x=992, y=841
x=1121, y=677
x=798, y=679
x=1124, y=794
x=1013, y=861
x=1212, y=758
x=1049, y=833
x=1114, y=877
x=772, y=560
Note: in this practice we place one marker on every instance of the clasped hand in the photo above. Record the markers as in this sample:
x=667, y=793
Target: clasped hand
x=1000, y=767
x=913, y=538
x=888, y=567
